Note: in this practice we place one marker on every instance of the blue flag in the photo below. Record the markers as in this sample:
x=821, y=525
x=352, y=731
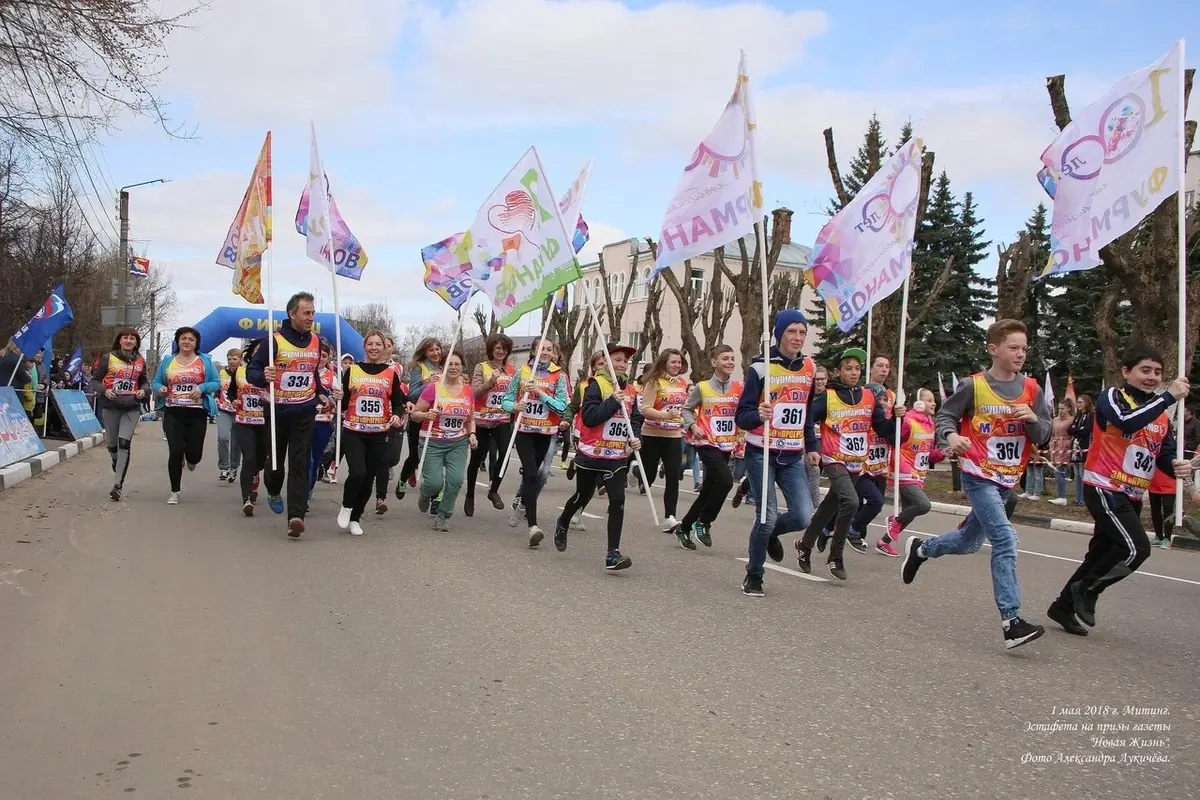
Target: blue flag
x=75, y=365
x=54, y=315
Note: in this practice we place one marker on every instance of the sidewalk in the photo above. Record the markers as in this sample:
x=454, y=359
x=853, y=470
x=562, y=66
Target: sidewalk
x=24, y=470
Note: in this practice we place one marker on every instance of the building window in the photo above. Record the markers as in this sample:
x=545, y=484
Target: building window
x=634, y=339
x=697, y=278
x=616, y=287
x=1189, y=198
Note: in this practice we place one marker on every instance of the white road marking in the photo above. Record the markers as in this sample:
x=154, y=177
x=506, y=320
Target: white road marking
x=788, y=571
x=587, y=514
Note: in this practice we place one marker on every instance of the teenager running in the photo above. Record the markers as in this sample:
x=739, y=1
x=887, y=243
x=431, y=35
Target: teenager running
x=425, y=367
x=663, y=396
x=187, y=382
x=874, y=480
x=847, y=414
x=446, y=411
x=1131, y=437
x=539, y=394
x=544, y=471
x=395, y=442
x=297, y=385
x=710, y=415
x=602, y=457
x=371, y=395
x=122, y=373
x=323, y=420
x=493, y=425
x=575, y=415
x=787, y=376
x=228, y=454
x=916, y=454
x=991, y=424
x=249, y=428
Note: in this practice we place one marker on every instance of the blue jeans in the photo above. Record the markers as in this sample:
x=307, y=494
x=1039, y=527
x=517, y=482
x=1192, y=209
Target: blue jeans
x=1035, y=481
x=870, y=503
x=1077, y=471
x=987, y=520
x=792, y=480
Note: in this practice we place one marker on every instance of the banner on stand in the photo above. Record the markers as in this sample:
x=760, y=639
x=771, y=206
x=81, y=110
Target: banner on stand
x=18, y=439
x=77, y=413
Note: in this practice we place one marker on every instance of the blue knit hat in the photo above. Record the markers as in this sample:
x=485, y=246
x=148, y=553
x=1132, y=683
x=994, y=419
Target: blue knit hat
x=786, y=318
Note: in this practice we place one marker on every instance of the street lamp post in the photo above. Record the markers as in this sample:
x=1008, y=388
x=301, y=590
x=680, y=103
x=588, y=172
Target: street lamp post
x=123, y=251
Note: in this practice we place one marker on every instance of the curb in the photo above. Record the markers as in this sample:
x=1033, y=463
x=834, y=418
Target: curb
x=22, y=471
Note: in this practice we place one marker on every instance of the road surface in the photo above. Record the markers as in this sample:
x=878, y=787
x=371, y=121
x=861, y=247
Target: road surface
x=161, y=651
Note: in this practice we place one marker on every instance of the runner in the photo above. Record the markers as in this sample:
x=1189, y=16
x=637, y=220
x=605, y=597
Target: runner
x=395, y=443
x=874, y=480
x=297, y=386
x=371, y=394
x=228, y=453
x=1131, y=436
x=249, y=428
x=787, y=374
x=122, y=373
x=542, y=393
x=603, y=455
x=709, y=415
x=847, y=413
x=575, y=415
x=323, y=421
x=493, y=425
x=995, y=411
x=663, y=396
x=917, y=453
x=425, y=367
x=446, y=411
x=518, y=512
x=637, y=420
x=187, y=381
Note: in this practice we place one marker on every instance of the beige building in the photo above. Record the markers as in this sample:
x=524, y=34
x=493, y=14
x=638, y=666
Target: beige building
x=1191, y=181
x=618, y=259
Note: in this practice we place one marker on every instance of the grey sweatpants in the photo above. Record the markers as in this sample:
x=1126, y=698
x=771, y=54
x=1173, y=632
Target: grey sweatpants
x=229, y=452
x=118, y=434
x=840, y=504
x=913, y=503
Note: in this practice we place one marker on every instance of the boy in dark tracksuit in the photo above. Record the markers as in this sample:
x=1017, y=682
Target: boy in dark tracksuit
x=846, y=412
x=1131, y=438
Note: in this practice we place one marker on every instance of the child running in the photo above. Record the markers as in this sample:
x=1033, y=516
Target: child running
x=602, y=457
x=663, y=396
x=1131, y=437
x=228, y=453
x=916, y=454
x=710, y=415
x=991, y=424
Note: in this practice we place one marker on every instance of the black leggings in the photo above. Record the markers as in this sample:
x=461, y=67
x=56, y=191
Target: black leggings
x=414, y=451
x=718, y=481
x=185, y=429
x=586, y=481
x=1118, y=546
x=493, y=443
x=395, y=450
x=668, y=452
x=366, y=455
x=532, y=449
x=255, y=444
x=1162, y=514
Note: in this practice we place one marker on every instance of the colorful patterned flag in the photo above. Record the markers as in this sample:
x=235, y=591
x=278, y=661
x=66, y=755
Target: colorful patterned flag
x=139, y=266
x=75, y=365
x=334, y=234
x=448, y=268
x=250, y=234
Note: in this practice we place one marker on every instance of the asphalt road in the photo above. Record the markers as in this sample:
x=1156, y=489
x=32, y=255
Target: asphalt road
x=187, y=651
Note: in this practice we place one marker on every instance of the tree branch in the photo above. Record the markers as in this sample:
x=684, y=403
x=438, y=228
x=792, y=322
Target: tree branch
x=835, y=172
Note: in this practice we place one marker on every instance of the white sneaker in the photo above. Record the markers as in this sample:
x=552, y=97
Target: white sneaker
x=173, y=499
x=577, y=522
x=669, y=523
x=356, y=529
x=1058, y=501
x=518, y=514
x=535, y=536
x=343, y=518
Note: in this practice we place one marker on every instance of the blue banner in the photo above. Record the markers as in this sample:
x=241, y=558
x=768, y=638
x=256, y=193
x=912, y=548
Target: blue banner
x=251, y=323
x=76, y=412
x=18, y=439
x=54, y=315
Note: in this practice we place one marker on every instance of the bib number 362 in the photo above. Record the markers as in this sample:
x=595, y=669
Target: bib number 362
x=854, y=444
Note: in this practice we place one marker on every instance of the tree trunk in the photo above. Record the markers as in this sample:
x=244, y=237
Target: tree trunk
x=1013, y=272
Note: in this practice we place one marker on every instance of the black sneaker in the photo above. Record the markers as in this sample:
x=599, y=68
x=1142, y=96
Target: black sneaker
x=1085, y=604
x=859, y=544
x=775, y=549
x=804, y=555
x=823, y=541
x=115, y=494
x=616, y=561
x=912, y=559
x=837, y=569
x=739, y=495
x=434, y=505
x=703, y=535
x=684, y=537
x=469, y=505
x=560, y=536
x=1018, y=632
x=571, y=471
x=423, y=504
x=752, y=586
x=1066, y=617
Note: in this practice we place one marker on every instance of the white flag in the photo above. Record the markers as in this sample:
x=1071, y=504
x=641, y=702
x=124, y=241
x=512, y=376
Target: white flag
x=953, y=383
x=1049, y=392
x=319, y=232
x=1114, y=164
x=718, y=199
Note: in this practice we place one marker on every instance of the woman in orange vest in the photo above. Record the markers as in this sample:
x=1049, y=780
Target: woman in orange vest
x=663, y=396
x=710, y=414
x=122, y=372
x=493, y=425
x=446, y=412
x=602, y=458
x=188, y=380
x=425, y=367
x=371, y=401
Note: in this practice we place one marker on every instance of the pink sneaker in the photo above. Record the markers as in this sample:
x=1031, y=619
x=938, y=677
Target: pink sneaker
x=893, y=529
x=885, y=548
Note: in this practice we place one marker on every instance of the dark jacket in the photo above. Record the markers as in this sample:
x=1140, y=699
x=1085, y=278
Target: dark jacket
x=1113, y=409
x=260, y=361
x=752, y=393
x=881, y=423
x=597, y=410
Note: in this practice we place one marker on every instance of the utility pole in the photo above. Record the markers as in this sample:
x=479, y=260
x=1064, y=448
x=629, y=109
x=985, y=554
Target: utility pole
x=154, y=331
x=123, y=250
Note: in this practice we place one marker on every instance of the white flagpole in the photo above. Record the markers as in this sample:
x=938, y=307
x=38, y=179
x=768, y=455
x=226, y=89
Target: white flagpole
x=271, y=360
x=870, y=325
x=337, y=328
x=899, y=387
x=537, y=354
x=433, y=408
x=45, y=412
x=1182, y=258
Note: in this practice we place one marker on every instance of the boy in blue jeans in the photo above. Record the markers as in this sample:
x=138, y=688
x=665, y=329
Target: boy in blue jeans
x=991, y=423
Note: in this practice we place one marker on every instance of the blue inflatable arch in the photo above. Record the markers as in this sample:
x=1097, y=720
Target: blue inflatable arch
x=251, y=323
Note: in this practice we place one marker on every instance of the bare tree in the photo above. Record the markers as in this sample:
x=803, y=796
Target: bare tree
x=1014, y=270
x=375, y=315
x=747, y=282
x=568, y=329
x=614, y=308
x=486, y=321
x=1143, y=267
x=408, y=339
x=652, y=330
x=710, y=312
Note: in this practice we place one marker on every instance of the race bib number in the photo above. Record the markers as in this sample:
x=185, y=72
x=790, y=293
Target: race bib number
x=453, y=424
x=853, y=444
x=370, y=407
x=494, y=398
x=123, y=386
x=723, y=426
x=183, y=388
x=251, y=402
x=1006, y=450
x=788, y=415
x=615, y=430
x=878, y=452
x=921, y=462
x=536, y=409
x=295, y=381
x=1139, y=461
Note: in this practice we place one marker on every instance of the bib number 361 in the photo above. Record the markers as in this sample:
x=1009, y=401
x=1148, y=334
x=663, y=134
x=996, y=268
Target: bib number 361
x=1006, y=449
